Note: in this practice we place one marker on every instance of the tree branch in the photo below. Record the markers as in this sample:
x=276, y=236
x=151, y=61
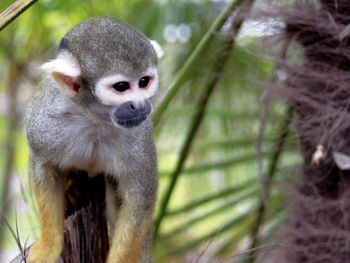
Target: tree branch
x=200, y=111
x=267, y=182
x=13, y=11
x=195, y=55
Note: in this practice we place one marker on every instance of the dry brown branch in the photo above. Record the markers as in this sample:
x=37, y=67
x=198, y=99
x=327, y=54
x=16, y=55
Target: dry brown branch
x=85, y=229
x=318, y=220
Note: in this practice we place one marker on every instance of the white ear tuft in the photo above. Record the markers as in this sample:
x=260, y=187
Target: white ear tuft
x=66, y=72
x=157, y=48
x=65, y=63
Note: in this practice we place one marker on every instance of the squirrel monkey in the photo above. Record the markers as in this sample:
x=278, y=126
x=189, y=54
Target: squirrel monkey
x=91, y=113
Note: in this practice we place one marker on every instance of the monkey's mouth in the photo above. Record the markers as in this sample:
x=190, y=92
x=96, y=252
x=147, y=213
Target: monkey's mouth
x=130, y=115
x=131, y=122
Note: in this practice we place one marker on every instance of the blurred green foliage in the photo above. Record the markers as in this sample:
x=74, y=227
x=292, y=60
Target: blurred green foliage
x=214, y=205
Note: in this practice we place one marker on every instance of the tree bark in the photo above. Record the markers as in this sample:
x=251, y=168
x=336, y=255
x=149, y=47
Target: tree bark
x=85, y=227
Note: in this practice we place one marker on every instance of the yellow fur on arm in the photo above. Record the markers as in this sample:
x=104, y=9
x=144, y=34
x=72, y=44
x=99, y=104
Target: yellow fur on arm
x=128, y=241
x=50, y=201
x=130, y=233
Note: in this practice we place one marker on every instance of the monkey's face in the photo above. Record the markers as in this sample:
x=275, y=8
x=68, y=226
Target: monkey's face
x=129, y=97
x=109, y=69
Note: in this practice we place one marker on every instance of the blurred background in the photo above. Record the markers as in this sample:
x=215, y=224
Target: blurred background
x=211, y=167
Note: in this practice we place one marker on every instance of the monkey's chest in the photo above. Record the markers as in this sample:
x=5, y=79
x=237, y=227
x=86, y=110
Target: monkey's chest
x=94, y=154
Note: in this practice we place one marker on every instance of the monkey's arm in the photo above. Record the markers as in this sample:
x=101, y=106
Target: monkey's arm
x=133, y=222
x=130, y=235
x=49, y=195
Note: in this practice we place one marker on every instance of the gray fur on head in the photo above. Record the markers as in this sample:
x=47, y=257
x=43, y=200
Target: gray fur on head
x=105, y=46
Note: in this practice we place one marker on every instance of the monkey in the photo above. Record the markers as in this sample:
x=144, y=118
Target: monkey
x=91, y=112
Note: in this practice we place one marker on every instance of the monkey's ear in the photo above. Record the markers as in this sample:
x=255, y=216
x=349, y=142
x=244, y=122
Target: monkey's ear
x=66, y=72
x=157, y=48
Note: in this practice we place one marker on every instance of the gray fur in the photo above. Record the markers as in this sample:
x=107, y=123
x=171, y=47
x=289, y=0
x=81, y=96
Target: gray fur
x=67, y=133
x=109, y=48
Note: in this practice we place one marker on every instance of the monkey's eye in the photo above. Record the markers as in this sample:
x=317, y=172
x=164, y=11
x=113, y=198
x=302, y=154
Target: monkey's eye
x=143, y=82
x=121, y=86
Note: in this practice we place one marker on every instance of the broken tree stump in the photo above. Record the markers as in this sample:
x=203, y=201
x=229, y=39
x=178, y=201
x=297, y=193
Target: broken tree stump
x=85, y=226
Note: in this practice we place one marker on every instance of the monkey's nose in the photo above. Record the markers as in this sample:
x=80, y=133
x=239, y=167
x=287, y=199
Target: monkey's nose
x=132, y=106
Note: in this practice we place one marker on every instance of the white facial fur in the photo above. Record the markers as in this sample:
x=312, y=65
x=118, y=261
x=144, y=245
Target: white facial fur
x=107, y=95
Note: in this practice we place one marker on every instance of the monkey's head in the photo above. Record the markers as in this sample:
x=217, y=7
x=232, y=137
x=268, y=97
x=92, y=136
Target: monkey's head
x=109, y=69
